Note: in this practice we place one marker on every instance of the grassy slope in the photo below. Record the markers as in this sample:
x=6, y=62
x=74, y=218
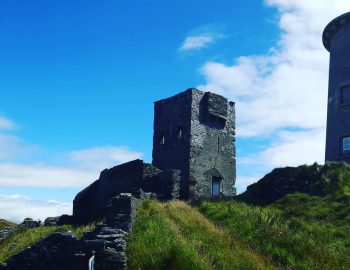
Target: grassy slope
x=299, y=231
x=4, y=224
x=22, y=239
x=306, y=240
x=174, y=235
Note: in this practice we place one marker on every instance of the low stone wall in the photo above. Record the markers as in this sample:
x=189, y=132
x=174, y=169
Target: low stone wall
x=65, y=251
x=27, y=223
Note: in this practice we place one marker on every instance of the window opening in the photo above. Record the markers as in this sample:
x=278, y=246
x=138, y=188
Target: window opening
x=345, y=95
x=345, y=145
x=162, y=139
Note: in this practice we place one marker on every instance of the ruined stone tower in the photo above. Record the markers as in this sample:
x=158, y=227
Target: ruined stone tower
x=193, y=157
x=194, y=132
x=336, y=39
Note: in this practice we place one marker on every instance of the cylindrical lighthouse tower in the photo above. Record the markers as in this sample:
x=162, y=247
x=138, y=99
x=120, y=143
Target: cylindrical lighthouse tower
x=336, y=39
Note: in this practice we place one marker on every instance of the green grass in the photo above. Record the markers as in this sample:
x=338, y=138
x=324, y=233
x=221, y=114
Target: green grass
x=298, y=232
x=174, y=235
x=4, y=224
x=27, y=237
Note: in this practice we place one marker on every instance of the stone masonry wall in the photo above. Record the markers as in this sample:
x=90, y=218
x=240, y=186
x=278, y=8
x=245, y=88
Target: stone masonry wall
x=172, y=122
x=132, y=177
x=64, y=251
x=212, y=152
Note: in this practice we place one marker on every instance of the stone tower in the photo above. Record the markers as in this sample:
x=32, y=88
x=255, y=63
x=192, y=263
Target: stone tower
x=336, y=39
x=195, y=132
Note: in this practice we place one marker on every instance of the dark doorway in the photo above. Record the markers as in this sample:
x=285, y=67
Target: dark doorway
x=216, y=186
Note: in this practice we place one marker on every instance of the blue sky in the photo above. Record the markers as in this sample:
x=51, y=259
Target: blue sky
x=78, y=80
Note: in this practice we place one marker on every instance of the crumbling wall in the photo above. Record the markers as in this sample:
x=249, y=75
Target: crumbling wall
x=165, y=185
x=132, y=177
x=64, y=251
x=89, y=204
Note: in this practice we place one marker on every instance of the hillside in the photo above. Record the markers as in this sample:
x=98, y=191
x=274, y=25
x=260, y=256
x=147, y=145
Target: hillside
x=303, y=221
x=174, y=235
x=289, y=231
x=297, y=232
x=330, y=180
x=294, y=218
x=5, y=224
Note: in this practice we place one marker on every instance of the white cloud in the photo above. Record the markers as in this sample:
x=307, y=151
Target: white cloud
x=295, y=148
x=43, y=175
x=12, y=146
x=98, y=158
x=16, y=207
x=290, y=148
x=6, y=124
x=82, y=169
x=197, y=42
x=243, y=181
x=282, y=95
x=202, y=37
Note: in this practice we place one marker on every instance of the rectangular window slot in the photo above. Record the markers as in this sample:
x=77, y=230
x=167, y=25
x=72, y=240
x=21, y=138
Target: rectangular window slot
x=345, y=145
x=345, y=95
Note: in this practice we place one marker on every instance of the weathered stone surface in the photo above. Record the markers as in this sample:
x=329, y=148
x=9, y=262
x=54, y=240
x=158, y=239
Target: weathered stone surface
x=165, y=184
x=121, y=213
x=58, y=221
x=6, y=232
x=217, y=105
x=288, y=180
x=57, y=251
x=30, y=223
x=133, y=177
x=51, y=221
x=194, y=132
x=65, y=251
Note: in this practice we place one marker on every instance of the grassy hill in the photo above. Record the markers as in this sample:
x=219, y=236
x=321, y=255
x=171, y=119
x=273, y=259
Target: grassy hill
x=175, y=235
x=285, y=231
x=297, y=232
x=294, y=218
